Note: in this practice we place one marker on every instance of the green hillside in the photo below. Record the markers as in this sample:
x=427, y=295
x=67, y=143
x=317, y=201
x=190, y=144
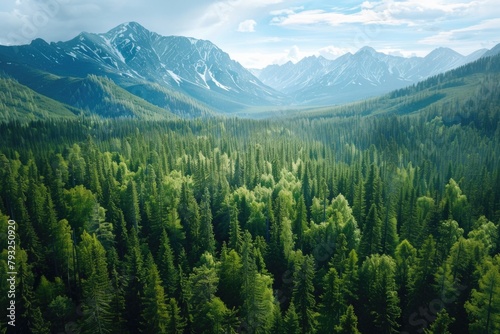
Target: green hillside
x=18, y=102
x=102, y=97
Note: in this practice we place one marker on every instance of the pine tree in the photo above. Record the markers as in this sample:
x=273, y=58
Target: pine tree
x=371, y=234
x=291, y=322
x=206, y=236
x=134, y=266
x=202, y=285
x=235, y=235
x=300, y=222
x=440, y=324
x=155, y=316
x=422, y=273
x=230, y=277
x=382, y=301
x=303, y=293
x=350, y=278
x=359, y=203
x=332, y=305
x=484, y=305
x=166, y=267
x=189, y=214
x=96, y=286
x=176, y=323
x=28, y=315
x=348, y=322
x=130, y=206
x=256, y=291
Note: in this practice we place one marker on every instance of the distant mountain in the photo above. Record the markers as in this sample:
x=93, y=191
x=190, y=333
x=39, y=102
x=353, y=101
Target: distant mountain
x=493, y=52
x=133, y=72
x=463, y=95
x=137, y=60
x=351, y=77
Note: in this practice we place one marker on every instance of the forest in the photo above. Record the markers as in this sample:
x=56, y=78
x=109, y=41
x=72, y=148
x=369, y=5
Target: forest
x=337, y=223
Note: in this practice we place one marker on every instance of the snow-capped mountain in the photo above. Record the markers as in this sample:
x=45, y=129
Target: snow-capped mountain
x=316, y=80
x=131, y=55
x=183, y=74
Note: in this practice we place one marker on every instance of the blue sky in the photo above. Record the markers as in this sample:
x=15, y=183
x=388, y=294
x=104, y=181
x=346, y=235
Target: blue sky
x=261, y=32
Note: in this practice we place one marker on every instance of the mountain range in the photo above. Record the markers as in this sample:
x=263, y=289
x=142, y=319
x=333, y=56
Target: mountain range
x=131, y=71
x=319, y=81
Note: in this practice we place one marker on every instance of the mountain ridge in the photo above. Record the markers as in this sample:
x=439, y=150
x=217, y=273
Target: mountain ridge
x=193, y=77
x=131, y=55
x=366, y=73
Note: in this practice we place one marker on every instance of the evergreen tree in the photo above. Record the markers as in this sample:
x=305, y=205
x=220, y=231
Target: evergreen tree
x=166, y=266
x=291, y=322
x=96, y=286
x=155, y=316
x=382, y=301
x=348, y=322
x=405, y=257
x=134, y=268
x=130, y=206
x=206, y=235
x=484, y=305
x=230, y=277
x=176, y=323
x=300, y=222
x=303, y=293
x=371, y=234
x=350, y=278
x=422, y=273
x=202, y=285
x=332, y=305
x=441, y=324
x=30, y=317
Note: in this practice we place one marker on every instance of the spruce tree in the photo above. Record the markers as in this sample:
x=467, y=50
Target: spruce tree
x=332, y=305
x=371, y=234
x=348, y=322
x=291, y=321
x=155, y=316
x=206, y=240
x=303, y=293
x=483, y=307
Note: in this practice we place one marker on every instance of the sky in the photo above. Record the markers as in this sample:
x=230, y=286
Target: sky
x=258, y=33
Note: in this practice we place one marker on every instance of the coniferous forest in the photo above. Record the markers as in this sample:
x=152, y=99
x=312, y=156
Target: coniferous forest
x=339, y=223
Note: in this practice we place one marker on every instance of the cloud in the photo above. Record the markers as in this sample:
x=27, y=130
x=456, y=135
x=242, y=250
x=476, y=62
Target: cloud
x=487, y=28
x=247, y=26
x=332, y=52
x=408, y=12
x=259, y=60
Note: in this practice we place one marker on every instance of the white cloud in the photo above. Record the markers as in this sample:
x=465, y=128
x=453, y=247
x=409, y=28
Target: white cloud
x=332, y=52
x=466, y=39
x=408, y=12
x=259, y=60
x=247, y=26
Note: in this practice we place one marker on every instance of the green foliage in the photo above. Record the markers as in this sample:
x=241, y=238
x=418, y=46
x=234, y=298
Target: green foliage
x=382, y=300
x=348, y=322
x=484, y=305
x=291, y=321
x=332, y=305
x=441, y=324
x=155, y=315
x=303, y=292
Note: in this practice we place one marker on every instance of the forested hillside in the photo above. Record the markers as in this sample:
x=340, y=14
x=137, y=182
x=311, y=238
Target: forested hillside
x=329, y=224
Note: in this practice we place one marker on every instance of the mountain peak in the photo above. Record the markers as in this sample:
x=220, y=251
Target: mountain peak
x=443, y=51
x=367, y=49
x=128, y=29
x=493, y=51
